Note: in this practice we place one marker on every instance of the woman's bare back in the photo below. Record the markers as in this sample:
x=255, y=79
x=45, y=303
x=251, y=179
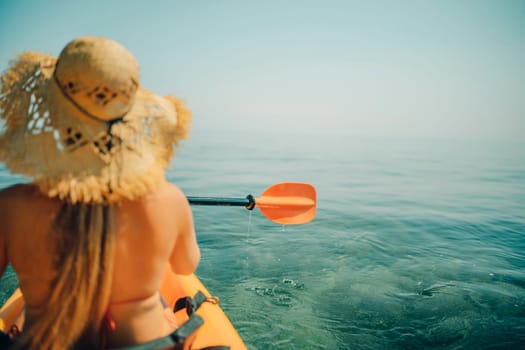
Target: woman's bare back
x=151, y=232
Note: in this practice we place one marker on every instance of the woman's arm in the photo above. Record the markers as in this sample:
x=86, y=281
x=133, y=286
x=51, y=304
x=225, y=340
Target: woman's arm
x=186, y=254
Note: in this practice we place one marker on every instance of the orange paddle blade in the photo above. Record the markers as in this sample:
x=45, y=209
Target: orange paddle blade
x=288, y=203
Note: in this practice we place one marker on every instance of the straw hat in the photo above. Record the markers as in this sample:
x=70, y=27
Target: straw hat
x=82, y=126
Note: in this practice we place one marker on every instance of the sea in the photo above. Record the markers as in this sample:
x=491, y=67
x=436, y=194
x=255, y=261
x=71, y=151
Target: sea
x=416, y=244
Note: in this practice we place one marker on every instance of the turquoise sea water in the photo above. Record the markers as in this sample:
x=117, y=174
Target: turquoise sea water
x=416, y=243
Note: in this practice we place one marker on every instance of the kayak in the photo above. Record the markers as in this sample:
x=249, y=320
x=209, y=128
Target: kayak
x=217, y=330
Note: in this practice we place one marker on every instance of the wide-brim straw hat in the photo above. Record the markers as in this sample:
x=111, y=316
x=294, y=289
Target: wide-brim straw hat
x=82, y=126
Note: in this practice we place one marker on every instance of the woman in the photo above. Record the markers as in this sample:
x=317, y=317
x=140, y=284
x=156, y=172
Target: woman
x=90, y=237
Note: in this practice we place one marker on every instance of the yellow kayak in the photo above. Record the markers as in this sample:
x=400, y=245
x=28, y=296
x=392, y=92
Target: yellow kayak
x=216, y=330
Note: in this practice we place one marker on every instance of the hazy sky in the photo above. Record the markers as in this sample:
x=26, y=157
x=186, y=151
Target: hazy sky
x=385, y=68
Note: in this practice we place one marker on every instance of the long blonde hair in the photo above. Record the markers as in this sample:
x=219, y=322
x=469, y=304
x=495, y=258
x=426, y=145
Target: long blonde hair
x=79, y=296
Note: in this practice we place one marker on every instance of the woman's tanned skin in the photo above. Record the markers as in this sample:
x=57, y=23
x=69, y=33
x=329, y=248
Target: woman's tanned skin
x=151, y=231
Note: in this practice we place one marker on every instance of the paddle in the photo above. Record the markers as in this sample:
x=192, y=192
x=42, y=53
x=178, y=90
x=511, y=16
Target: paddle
x=285, y=203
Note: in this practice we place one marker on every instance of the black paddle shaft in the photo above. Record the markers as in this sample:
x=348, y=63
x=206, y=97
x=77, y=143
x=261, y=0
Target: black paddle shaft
x=248, y=202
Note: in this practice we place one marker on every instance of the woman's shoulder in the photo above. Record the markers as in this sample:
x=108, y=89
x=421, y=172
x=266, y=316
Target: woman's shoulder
x=25, y=198
x=21, y=203
x=20, y=191
x=167, y=194
x=169, y=191
x=172, y=189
